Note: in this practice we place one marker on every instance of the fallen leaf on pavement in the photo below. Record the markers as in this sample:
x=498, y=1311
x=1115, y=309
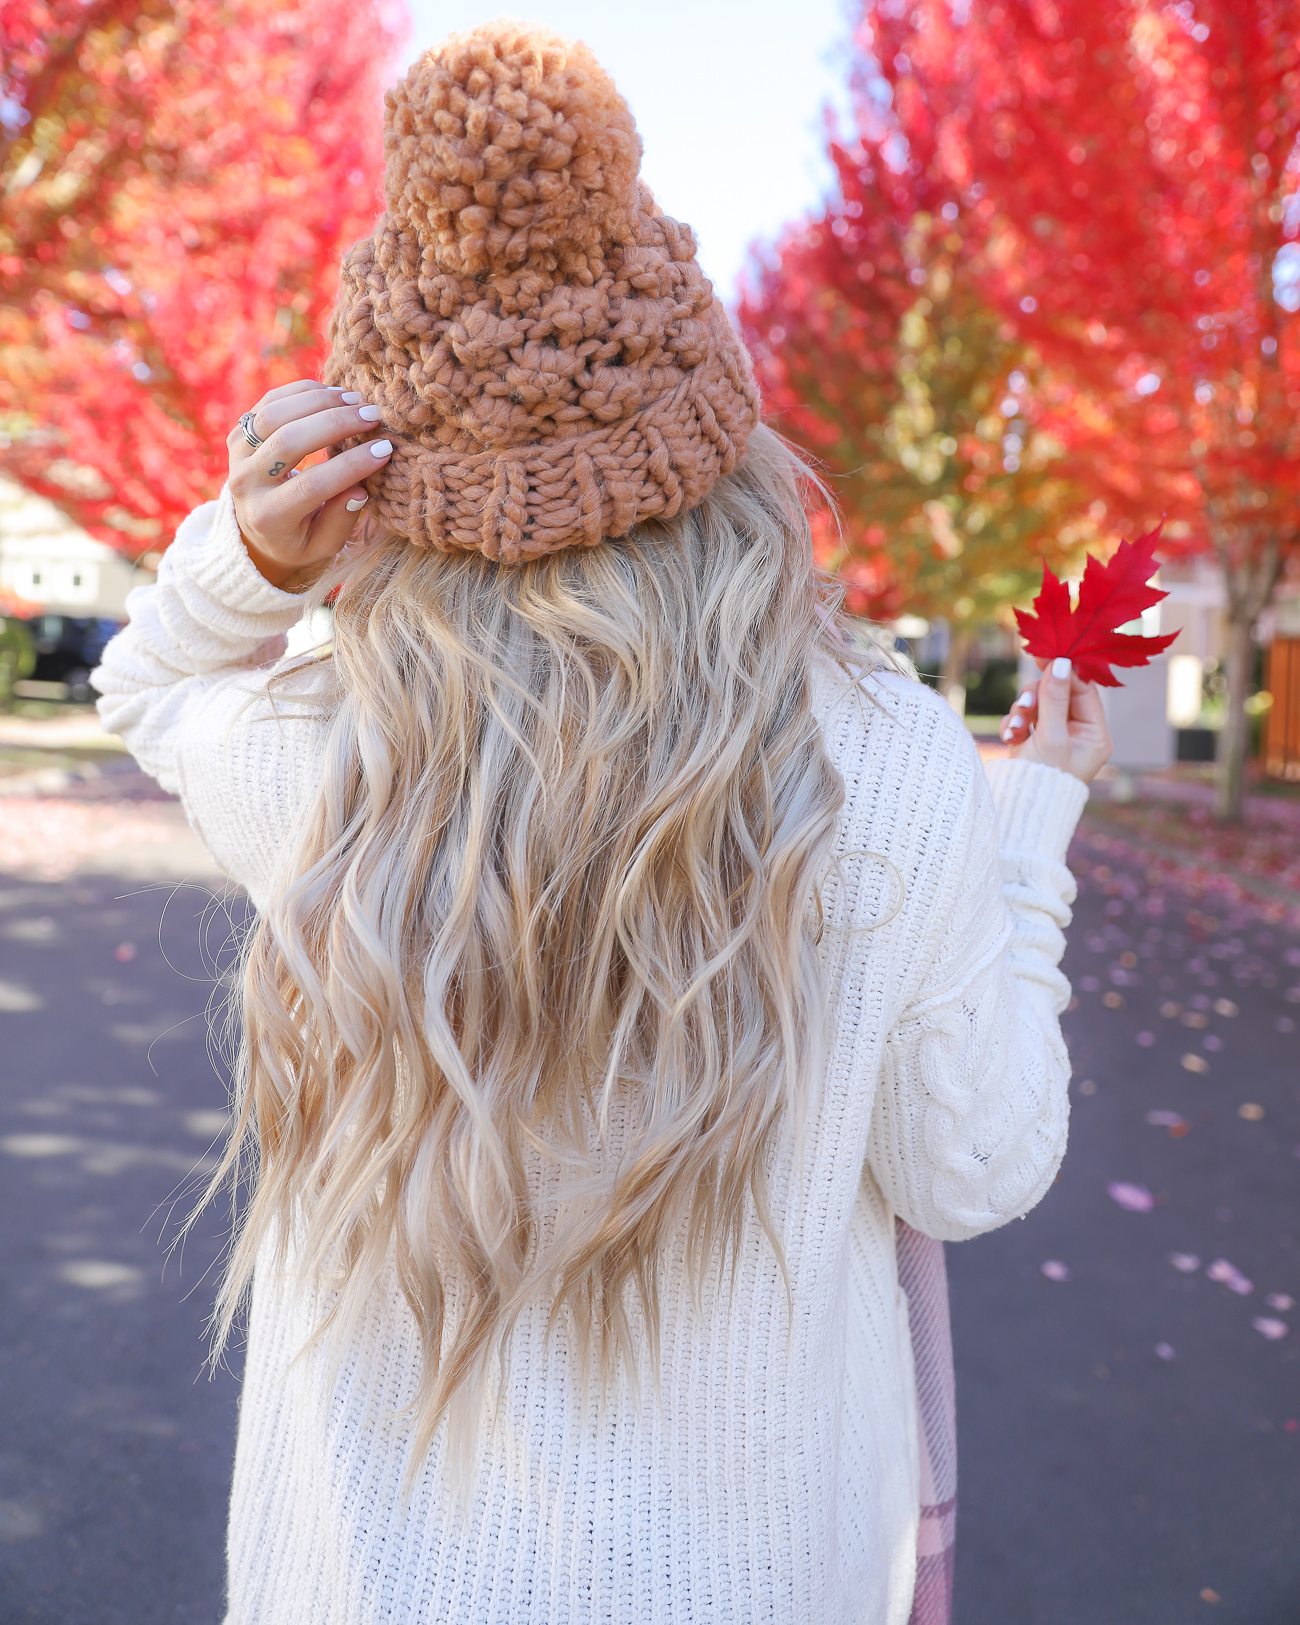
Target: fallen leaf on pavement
x=1230, y=1276
x=1134, y=1198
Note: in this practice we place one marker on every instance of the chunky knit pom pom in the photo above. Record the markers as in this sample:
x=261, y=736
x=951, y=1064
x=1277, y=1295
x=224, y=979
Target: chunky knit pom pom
x=509, y=147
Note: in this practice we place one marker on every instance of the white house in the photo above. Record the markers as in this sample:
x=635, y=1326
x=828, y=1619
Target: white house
x=52, y=564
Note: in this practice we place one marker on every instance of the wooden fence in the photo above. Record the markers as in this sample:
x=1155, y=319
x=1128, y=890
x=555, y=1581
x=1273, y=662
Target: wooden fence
x=1280, y=745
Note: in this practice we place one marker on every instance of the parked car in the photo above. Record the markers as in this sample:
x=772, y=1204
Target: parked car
x=68, y=648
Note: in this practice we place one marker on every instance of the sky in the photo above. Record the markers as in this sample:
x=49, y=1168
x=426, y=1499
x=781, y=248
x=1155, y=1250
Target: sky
x=727, y=95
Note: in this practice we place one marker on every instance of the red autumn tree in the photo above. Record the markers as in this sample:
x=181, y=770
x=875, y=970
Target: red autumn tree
x=1136, y=168
x=177, y=181
x=940, y=439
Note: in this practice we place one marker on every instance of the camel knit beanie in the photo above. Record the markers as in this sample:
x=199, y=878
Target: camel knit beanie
x=552, y=364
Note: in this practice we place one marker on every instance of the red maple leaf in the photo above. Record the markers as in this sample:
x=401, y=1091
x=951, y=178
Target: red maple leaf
x=1109, y=595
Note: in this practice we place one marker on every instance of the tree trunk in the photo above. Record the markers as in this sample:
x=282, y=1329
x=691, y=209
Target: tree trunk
x=1249, y=585
x=1230, y=801
x=952, y=684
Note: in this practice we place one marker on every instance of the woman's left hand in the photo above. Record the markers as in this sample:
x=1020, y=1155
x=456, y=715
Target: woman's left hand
x=1059, y=721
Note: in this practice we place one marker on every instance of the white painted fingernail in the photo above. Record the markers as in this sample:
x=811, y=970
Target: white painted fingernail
x=1060, y=667
x=1026, y=698
x=353, y=503
x=1006, y=733
x=371, y=414
x=380, y=448
x=350, y=397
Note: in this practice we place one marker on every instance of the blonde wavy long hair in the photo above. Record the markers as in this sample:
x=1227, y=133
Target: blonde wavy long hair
x=543, y=983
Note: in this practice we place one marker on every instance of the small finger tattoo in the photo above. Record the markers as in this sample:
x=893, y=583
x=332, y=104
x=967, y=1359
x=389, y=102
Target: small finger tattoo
x=276, y=468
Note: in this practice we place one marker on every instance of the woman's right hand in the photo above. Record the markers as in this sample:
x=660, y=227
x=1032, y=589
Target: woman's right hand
x=293, y=524
x=1059, y=721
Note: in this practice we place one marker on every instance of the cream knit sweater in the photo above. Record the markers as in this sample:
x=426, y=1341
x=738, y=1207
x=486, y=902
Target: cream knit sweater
x=775, y=1476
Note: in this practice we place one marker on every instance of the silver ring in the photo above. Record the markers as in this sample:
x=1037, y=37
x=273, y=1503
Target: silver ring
x=250, y=433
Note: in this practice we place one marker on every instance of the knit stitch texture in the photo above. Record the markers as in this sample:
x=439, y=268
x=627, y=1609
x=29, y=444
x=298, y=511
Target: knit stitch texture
x=552, y=364
x=775, y=1476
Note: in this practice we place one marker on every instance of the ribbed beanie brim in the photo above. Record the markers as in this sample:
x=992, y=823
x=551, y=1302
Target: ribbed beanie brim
x=552, y=364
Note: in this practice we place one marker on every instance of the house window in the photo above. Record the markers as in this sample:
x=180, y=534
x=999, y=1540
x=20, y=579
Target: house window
x=76, y=580
x=36, y=578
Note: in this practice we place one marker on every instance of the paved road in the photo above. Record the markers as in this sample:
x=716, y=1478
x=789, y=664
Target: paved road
x=115, y=1449
x=1130, y=1441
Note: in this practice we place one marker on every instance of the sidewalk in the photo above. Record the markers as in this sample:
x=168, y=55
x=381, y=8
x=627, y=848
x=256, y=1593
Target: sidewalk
x=72, y=802
x=1169, y=828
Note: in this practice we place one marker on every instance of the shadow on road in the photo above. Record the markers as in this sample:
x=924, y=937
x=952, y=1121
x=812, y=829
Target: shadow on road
x=116, y=1449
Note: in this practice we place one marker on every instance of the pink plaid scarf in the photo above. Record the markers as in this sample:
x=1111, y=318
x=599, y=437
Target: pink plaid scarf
x=924, y=1278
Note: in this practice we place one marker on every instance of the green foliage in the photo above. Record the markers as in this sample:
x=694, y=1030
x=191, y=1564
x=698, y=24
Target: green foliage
x=17, y=656
x=938, y=432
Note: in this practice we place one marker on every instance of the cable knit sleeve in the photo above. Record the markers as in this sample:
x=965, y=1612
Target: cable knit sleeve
x=969, y=1123
x=184, y=684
